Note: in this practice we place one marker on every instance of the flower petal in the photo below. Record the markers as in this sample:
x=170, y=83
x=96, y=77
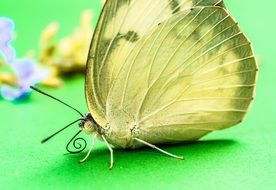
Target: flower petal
x=28, y=72
x=6, y=33
x=11, y=93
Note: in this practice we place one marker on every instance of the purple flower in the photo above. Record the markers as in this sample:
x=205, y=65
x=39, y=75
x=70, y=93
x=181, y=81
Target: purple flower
x=25, y=69
x=28, y=74
x=6, y=35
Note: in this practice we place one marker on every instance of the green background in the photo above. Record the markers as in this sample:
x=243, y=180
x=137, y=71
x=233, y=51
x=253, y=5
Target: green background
x=243, y=157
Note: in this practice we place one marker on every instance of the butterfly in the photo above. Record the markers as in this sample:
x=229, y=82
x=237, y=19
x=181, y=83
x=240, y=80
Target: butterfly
x=166, y=71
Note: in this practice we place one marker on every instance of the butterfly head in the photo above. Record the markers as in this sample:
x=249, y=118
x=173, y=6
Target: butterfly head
x=88, y=124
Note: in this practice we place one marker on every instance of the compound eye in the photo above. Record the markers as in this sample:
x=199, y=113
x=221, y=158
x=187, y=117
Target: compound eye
x=81, y=124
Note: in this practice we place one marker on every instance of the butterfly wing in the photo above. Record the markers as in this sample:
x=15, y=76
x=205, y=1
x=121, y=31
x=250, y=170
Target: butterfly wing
x=191, y=74
x=121, y=26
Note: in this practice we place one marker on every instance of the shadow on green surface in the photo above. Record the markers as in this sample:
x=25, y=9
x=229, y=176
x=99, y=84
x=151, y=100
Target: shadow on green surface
x=147, y=157
x=134, y=166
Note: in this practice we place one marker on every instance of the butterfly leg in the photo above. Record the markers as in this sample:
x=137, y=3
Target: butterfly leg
x=92, y=145
x=111, y=152
x=155, y=147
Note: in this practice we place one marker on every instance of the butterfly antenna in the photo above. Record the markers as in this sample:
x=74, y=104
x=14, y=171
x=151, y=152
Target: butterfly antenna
x=48, y=138
x=44, y=93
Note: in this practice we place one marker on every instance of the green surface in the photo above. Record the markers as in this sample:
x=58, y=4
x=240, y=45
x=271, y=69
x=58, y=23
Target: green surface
x=243, y=157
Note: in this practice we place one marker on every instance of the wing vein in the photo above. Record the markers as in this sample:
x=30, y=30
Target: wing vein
x=146, y=93
x=219, y=55
x=175, y=71
x=185, y=89
x=226, y=64
x=139, y=110
x=214, y=98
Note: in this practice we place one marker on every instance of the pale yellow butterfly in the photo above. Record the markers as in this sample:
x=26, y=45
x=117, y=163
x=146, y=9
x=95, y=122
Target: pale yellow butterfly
x=166, y=71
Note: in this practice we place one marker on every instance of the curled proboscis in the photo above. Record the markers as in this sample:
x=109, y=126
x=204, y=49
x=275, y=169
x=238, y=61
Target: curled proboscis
x=79, y=144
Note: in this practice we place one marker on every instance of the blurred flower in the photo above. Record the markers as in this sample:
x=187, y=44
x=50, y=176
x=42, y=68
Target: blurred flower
x=68, y=55
x=6, y=33
x=47, y=44
x=64, y=57
x=27, y=73
x=23, y=72
x=75, y=46
x=49, y=33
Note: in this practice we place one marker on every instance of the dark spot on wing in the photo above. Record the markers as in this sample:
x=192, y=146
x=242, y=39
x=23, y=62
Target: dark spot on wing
x=174, y=6
x=131, y=36
x=110, y=45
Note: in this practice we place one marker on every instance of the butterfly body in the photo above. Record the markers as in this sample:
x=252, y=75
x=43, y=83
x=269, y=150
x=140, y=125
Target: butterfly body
x=164, y=71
